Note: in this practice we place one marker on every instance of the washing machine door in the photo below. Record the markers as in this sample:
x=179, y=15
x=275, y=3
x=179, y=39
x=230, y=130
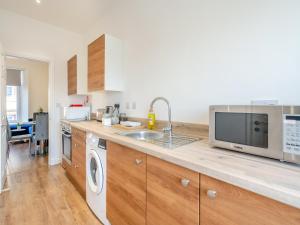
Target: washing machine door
x=95, y=174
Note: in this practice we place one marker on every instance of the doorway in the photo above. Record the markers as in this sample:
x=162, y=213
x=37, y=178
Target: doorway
x=27, y=113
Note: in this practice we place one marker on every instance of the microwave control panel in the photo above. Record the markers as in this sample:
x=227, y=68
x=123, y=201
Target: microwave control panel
x=291, y=134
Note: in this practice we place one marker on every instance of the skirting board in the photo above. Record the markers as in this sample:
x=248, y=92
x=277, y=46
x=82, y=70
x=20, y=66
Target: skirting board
x=54, y=161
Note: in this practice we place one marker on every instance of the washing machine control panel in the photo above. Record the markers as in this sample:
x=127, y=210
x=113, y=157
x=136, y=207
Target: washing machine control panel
x=102, y=144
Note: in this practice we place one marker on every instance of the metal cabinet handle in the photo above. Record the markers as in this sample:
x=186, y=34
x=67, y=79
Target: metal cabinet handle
x=75, y=145
x=76, y=166
x=138, y=161
x=185, y=182
x=212, y=194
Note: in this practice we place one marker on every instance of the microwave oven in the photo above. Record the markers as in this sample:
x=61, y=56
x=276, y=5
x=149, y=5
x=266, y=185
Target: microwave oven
x=269, y=131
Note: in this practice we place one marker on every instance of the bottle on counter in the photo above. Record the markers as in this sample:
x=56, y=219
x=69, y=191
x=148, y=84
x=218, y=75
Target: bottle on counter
x=151, y=119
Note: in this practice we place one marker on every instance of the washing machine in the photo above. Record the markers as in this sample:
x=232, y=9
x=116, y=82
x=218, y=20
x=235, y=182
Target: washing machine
x=96, y=176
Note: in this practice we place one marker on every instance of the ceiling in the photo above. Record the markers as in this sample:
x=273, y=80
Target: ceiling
x=73, y=15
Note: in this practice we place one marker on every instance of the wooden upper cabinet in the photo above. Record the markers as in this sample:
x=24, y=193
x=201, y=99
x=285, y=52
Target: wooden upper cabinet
x=72, y=75
x=126, y=186
x=105, y=62
x=172, y=194
x=96, y=64
x=225, y=204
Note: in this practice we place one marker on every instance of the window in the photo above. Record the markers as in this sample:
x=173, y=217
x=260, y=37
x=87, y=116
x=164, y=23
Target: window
x=9, y=90
x=12, y=103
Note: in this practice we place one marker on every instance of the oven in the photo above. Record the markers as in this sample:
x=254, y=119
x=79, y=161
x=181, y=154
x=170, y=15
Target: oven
x=66, y=143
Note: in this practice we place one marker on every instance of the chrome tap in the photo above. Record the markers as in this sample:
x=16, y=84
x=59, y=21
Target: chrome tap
x=169, y=127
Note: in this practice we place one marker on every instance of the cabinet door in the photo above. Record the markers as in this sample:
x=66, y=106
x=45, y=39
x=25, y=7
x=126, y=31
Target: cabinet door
x=225, y=204
x=78, y=169
x=172, y=194
x=79, y=135
x=96, y=64
x=72, y=76
x=79, y=160
x=126, y=186
x=64, y=164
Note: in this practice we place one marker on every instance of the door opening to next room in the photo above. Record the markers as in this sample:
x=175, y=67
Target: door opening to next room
x=27, y=113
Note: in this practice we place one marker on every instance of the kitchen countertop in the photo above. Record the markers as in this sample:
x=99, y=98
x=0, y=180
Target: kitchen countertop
x=267, y=177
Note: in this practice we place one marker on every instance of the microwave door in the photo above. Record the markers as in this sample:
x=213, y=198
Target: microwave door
x=242, y=128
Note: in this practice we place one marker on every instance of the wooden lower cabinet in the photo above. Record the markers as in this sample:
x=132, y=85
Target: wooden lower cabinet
x=64, y=164
x=225, y=204
x=77, y=170
x=142, y=189
x=172, y=194
x=126, y=185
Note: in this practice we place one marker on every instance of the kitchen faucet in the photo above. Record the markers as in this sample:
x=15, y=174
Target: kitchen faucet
x=169, y=127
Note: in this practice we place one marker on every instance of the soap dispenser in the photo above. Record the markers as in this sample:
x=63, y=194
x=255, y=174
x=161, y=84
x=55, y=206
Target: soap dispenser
x=151, y=119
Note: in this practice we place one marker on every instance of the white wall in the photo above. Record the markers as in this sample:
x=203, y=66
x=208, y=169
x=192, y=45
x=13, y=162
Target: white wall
x=202, y=52
x=23, y=36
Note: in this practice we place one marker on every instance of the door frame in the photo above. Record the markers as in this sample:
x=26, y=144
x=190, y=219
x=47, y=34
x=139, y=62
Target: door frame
x=52, y=159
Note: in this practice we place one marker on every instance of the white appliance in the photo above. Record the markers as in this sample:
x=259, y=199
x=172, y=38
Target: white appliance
x=77, y=113
x=66, y=135
x=269, y=131
x=96, y=176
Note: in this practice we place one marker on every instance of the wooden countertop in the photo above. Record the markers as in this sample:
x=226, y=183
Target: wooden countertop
x=271, y=178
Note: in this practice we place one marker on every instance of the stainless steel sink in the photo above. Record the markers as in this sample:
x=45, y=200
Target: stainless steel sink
x=143, y=135
x=160, y=138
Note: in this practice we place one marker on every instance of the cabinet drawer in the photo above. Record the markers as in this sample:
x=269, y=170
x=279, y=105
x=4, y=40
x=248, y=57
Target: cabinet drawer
x=78, y=145
x=78, y=134
x=78, y=151
x=224, y=204
x=172, y=194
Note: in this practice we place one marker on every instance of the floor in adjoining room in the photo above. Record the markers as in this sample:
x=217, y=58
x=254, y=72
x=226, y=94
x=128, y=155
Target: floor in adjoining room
x=40, y=195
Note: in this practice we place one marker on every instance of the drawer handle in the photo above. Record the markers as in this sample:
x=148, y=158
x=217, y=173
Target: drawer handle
x=76, y=166
x=138, y=161
x=75, y=145
x=185, y=182
x=212, y=194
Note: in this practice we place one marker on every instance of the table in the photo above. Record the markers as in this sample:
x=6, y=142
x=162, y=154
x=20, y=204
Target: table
x=15, y=132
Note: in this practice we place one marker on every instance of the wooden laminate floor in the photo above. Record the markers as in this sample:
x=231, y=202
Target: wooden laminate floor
x=40, y=195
